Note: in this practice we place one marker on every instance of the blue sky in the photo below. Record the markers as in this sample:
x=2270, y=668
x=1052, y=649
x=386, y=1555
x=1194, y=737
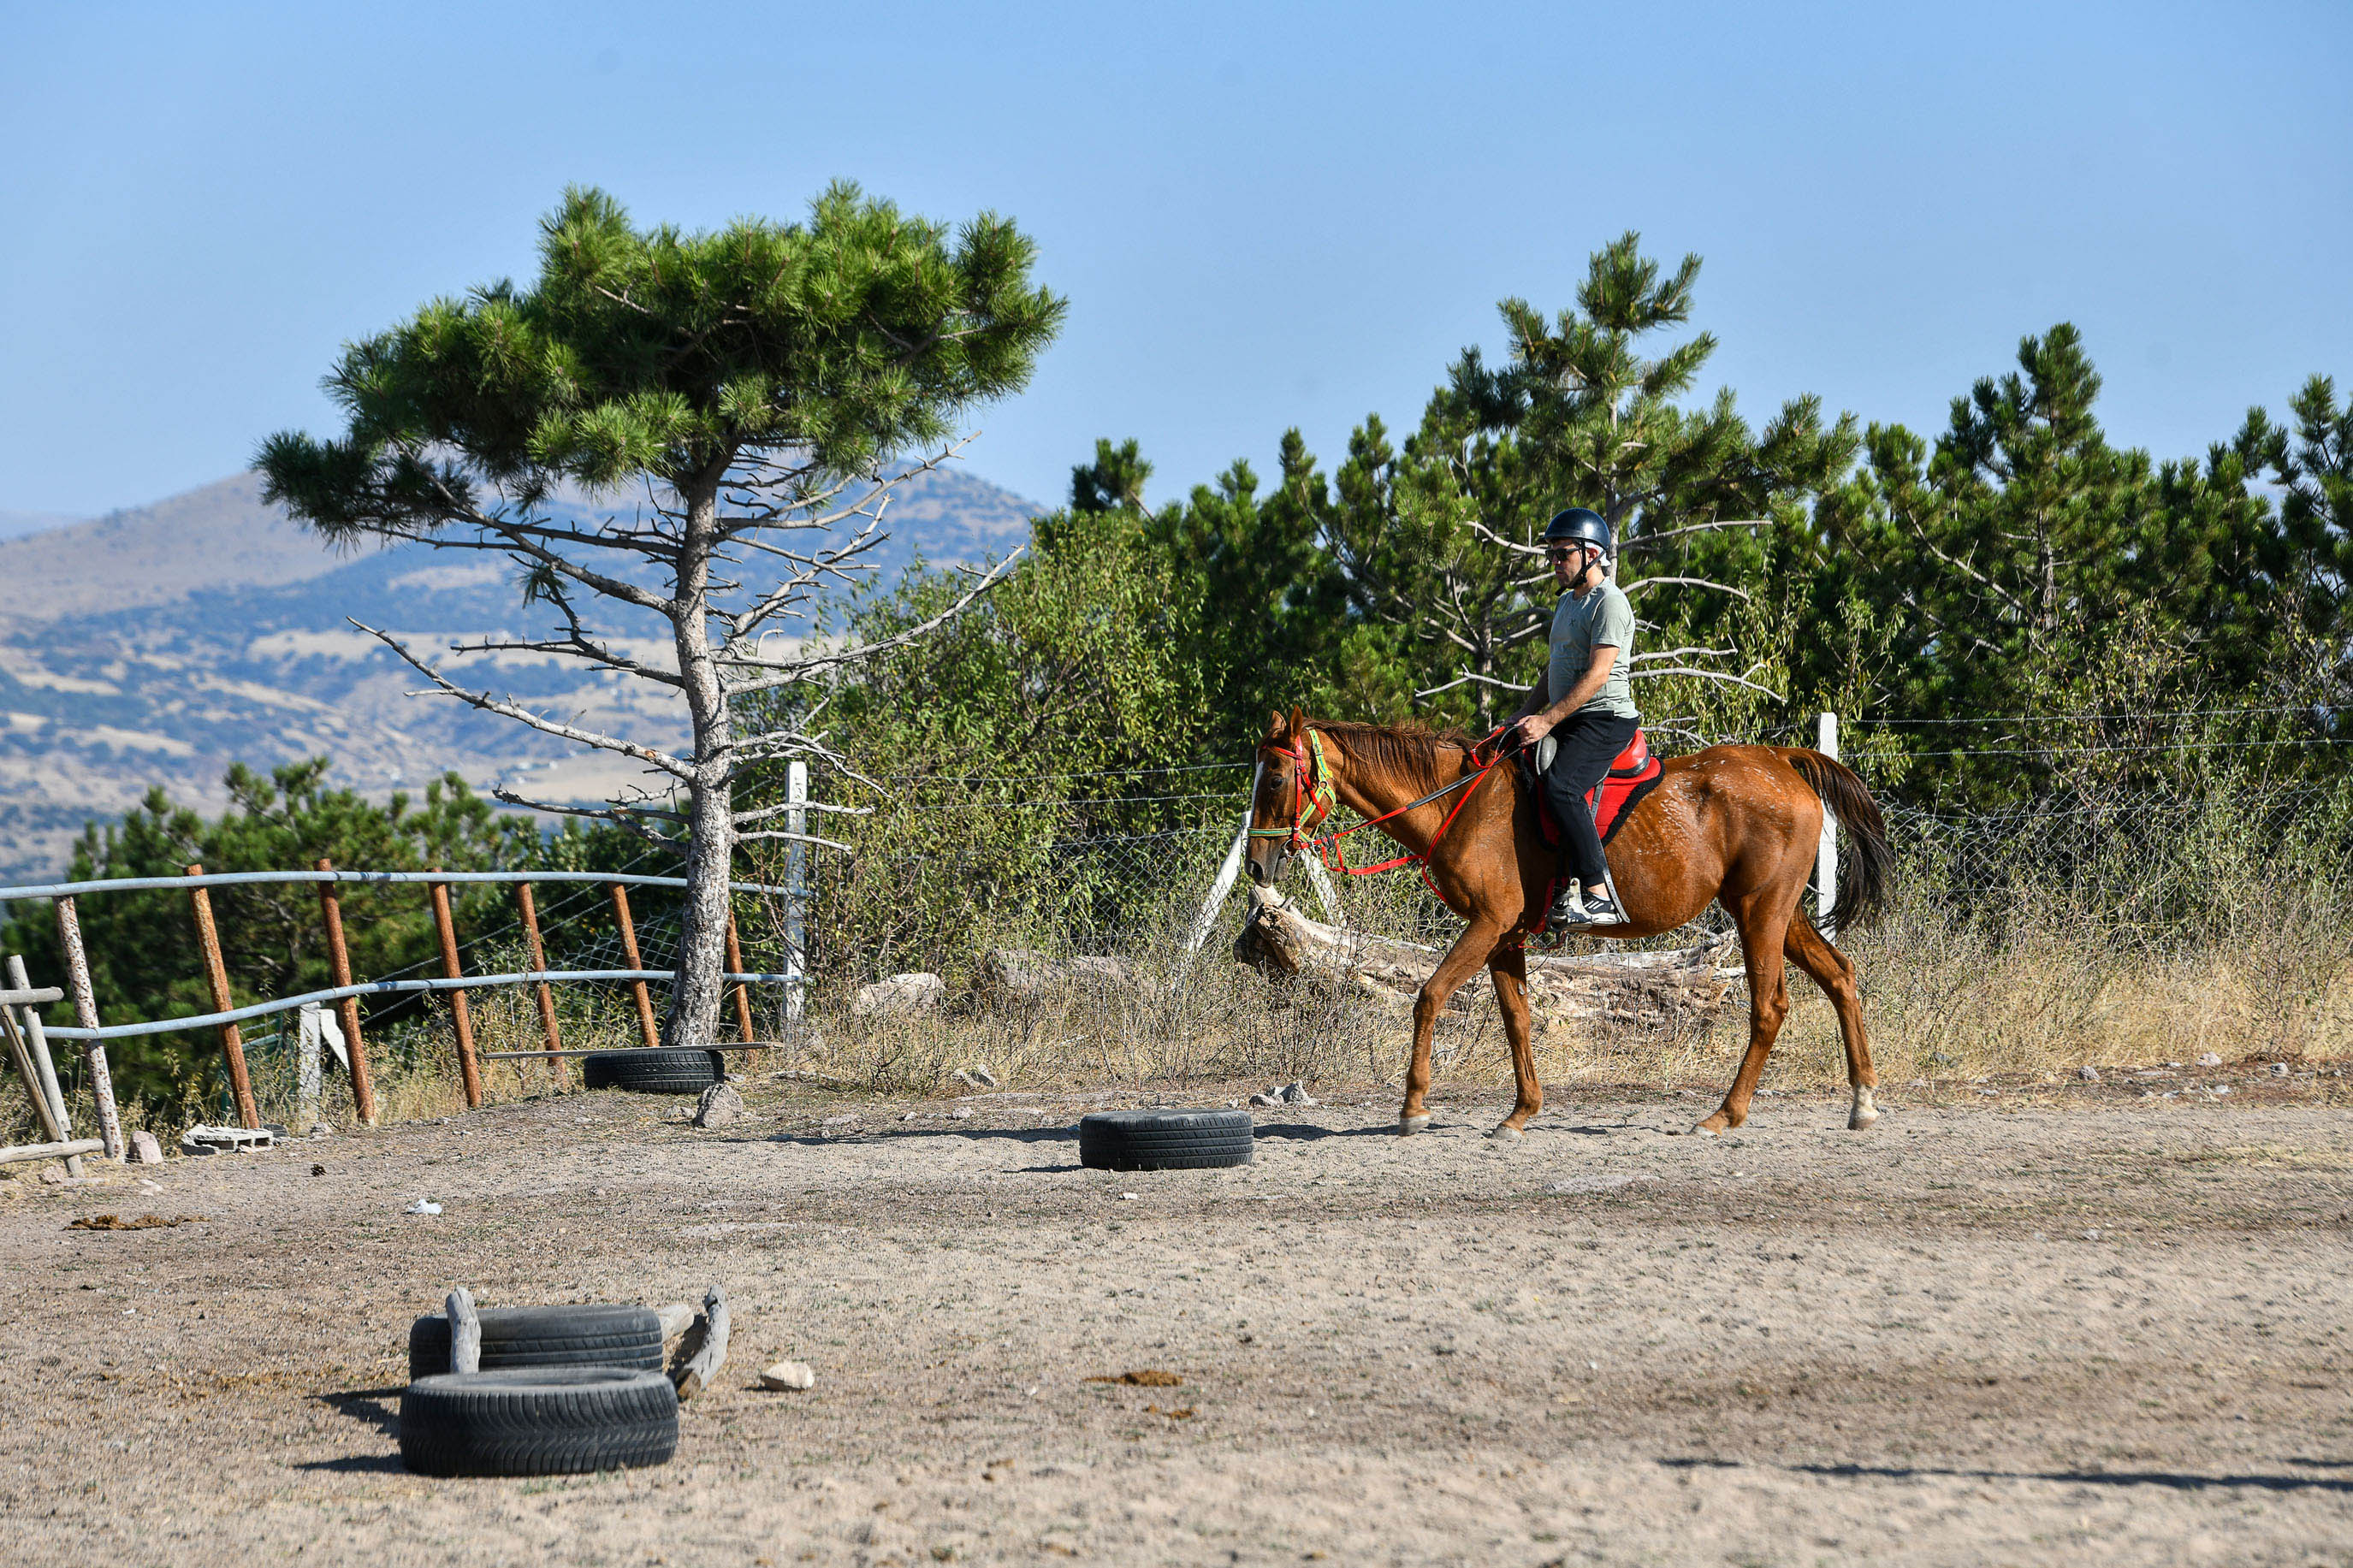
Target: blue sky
x=1263, y=216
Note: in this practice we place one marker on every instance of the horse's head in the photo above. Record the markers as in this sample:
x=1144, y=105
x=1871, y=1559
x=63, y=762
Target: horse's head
x=1293, y=795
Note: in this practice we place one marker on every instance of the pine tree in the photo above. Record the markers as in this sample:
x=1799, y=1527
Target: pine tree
x=1444, y=536
x=739, y=396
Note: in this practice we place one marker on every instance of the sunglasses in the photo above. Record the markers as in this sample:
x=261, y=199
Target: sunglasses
x=1563, y=554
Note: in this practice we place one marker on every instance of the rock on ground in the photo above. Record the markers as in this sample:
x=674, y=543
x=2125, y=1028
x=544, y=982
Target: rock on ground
x=788, y=1374
x=721, y=1106
x=901, y=993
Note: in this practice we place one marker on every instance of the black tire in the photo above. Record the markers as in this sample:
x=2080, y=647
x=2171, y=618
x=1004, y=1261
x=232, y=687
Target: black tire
x=628, y=1338
x=654, y=1071
x=1164, y=1139
x=538, y=1420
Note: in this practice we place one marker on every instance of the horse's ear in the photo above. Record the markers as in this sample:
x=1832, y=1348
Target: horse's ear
x=1274, y=726
x=1299, y=721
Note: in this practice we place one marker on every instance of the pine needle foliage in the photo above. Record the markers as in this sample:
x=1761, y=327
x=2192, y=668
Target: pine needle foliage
x=748, y=397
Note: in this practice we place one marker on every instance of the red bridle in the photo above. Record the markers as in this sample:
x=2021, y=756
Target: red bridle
x=1312, y=787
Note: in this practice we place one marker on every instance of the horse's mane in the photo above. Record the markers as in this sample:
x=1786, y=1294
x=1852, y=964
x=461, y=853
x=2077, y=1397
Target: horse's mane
x=1429, y=757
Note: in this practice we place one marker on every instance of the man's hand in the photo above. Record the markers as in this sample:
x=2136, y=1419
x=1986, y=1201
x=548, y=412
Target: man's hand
x=1530, y=729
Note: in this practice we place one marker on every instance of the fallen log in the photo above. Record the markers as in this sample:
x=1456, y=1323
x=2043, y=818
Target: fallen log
x=1653, y=986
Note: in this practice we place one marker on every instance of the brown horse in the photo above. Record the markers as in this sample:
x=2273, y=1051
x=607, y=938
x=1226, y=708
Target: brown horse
x=1739, y=824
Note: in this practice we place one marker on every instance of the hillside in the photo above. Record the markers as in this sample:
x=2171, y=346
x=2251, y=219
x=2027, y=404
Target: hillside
x=158, y=645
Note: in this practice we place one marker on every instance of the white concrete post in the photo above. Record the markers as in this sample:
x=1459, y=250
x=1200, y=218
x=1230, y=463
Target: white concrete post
x=797, y=893
x=1826, y=857
x=306, y=1067
x=1228, y=869
x=1321, y=882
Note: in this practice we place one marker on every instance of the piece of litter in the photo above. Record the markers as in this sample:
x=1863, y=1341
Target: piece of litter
x=422, y=1205
x=1127, y=1194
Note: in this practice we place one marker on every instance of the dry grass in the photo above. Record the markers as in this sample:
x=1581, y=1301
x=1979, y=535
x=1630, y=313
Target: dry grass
x=2030, y=990
x=2035, y=994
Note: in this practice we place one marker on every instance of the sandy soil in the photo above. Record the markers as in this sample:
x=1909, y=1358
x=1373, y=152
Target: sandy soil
x=2067, y=1326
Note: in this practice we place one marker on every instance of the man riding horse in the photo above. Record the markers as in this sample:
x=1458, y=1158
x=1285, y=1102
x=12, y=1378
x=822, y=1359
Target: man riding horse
x=1585, y=702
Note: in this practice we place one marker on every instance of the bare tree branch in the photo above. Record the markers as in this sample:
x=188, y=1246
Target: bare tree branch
x=1716, y=675
x=793, y=670
x=1689, y=582
x=511, y=709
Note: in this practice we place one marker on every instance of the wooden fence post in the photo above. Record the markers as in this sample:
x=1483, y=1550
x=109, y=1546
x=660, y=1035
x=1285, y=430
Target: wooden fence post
x=459, y=1016
x=546, y=997
x=85, y=1001
x=629, y=948
x=743, y=992
x=240, y=1083
x=339, y=964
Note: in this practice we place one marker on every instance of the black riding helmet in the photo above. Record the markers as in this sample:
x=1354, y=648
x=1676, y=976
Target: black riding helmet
x=1584, y=525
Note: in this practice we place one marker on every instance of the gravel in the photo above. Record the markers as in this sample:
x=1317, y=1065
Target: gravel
x=1902, y=1346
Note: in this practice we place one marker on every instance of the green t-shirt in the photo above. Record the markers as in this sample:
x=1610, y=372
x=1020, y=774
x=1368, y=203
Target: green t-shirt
x=1600, y=618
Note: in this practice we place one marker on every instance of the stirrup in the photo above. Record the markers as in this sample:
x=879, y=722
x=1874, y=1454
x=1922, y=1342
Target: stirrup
x=1565, y=915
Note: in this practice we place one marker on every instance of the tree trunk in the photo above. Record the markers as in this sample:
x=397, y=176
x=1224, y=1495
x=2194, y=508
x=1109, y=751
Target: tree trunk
x=697, y=987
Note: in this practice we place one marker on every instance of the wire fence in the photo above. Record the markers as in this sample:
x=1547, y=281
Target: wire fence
x=938, y=883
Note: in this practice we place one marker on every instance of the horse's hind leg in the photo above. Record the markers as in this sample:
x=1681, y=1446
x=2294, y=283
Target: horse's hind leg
x=1761, y=938
x=1510, y=968
x=1834, y=973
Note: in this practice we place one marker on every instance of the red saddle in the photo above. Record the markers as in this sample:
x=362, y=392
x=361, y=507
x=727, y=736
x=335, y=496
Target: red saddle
x=1630, y=778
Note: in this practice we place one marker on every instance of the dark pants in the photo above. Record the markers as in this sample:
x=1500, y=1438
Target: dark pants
x=1589, y=743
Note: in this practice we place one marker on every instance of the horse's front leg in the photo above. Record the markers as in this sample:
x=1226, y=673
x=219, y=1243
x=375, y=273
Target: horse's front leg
x=1470, y=950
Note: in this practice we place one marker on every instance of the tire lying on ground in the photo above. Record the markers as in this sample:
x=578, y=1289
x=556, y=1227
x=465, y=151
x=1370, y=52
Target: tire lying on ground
x=654, y=1071
x=628, y=1338
x=1164, y=1139
x=538, y=1420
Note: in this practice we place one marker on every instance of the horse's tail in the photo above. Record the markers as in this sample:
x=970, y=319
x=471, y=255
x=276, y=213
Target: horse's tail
x=1865, y=861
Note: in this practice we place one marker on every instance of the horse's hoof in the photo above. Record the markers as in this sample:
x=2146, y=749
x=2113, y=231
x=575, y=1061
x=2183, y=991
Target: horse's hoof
x=1703, y=1130
x=1506, y=1132
x=1866, y=1112
x=1408, y=1125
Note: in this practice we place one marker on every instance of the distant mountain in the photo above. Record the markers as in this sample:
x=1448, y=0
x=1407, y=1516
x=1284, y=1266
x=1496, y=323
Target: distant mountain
x=16, y=523
x=157, y=646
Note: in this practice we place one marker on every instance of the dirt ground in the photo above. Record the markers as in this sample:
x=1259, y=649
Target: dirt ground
x=2067, y=1324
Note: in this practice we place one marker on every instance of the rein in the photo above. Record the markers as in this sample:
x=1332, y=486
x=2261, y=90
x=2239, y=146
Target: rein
x=1311, y=790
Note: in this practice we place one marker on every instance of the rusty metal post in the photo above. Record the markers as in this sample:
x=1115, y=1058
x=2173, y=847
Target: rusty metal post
x=240, y=1083
x=630, y=949
x=546, y=997
x=459, y=1016
x=339, y=968
x=85, y=1001
x=743, y=992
